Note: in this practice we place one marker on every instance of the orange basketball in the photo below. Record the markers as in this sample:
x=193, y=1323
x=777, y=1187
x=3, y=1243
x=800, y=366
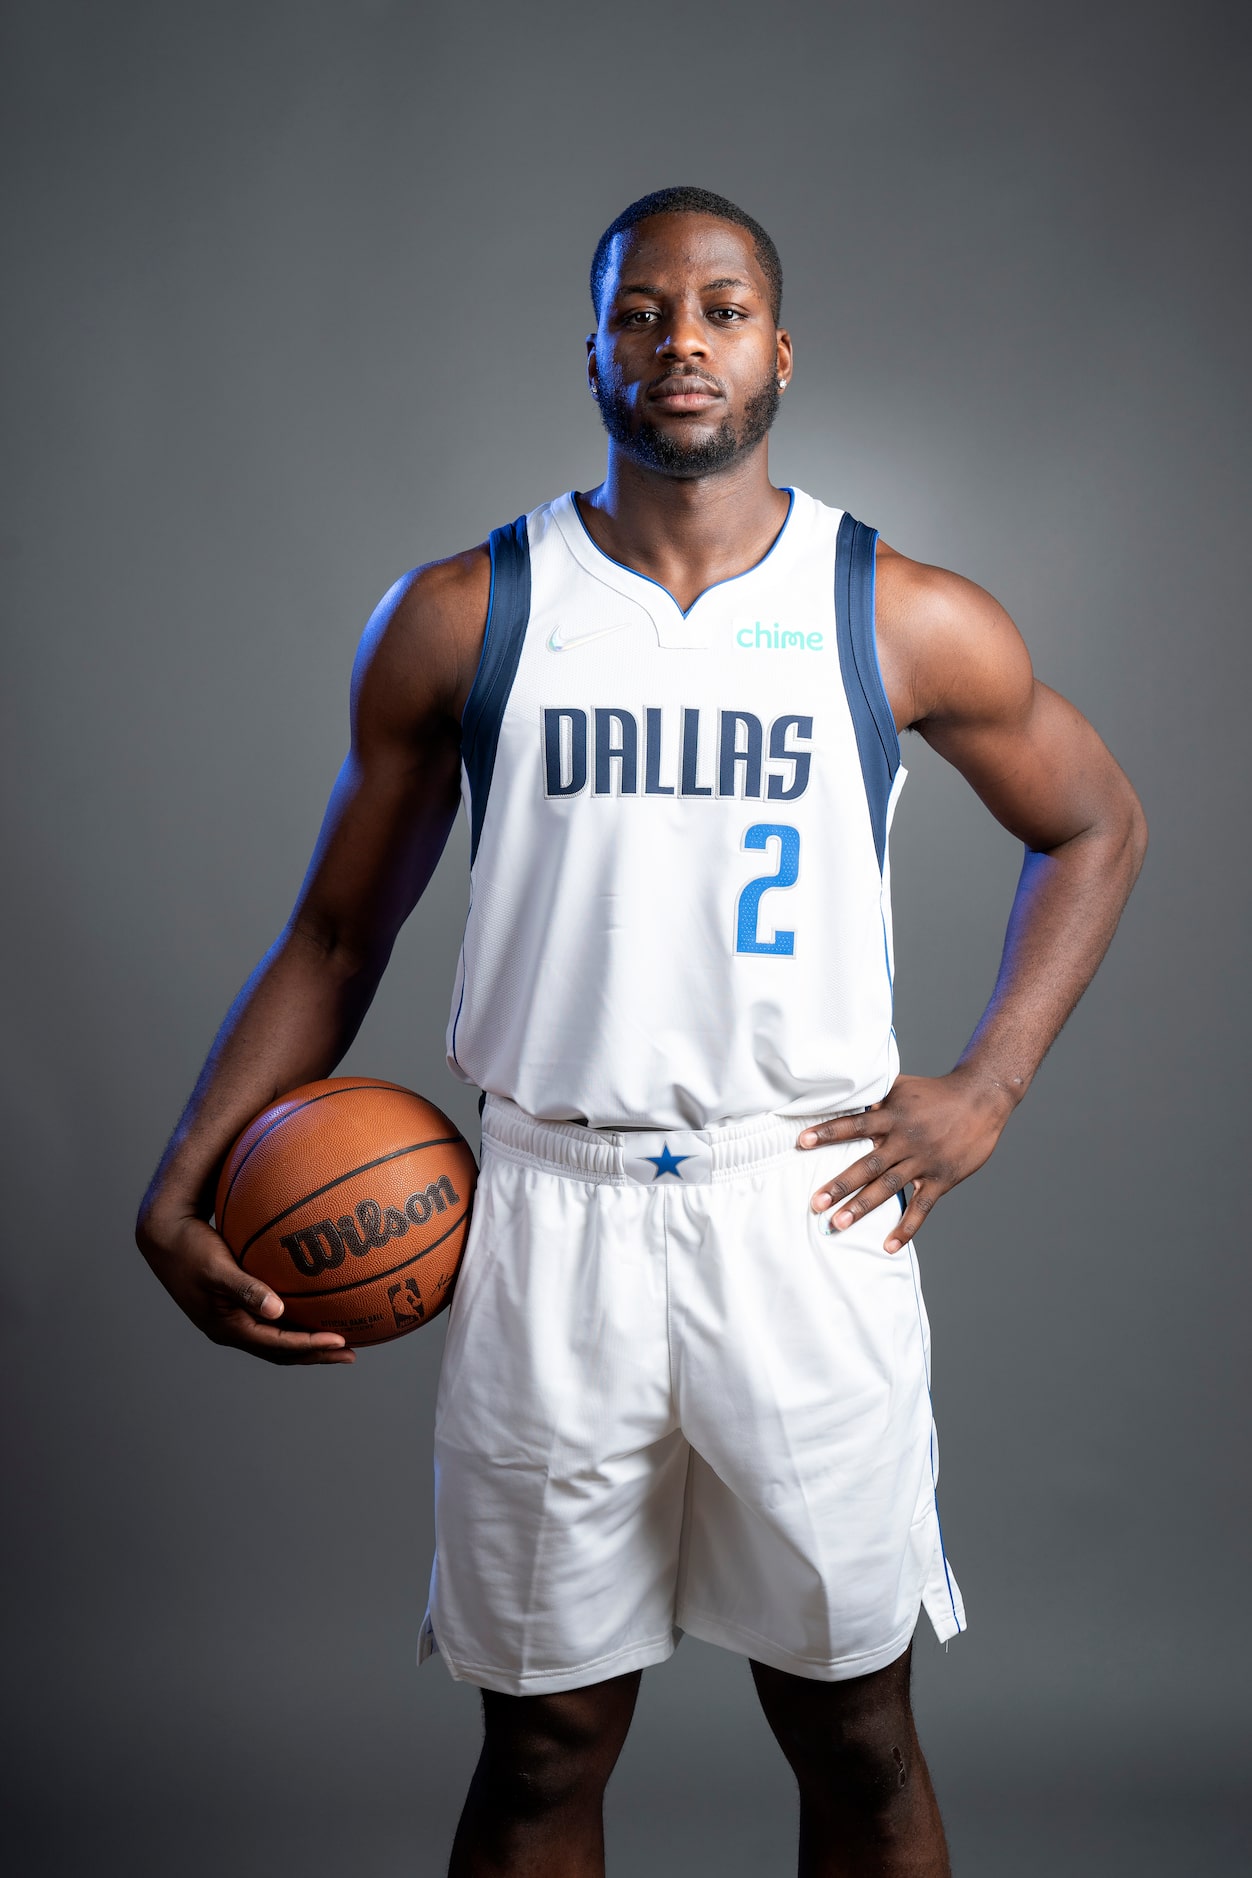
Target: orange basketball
x=351, y=1199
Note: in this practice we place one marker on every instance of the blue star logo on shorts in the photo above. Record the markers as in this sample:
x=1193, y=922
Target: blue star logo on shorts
x=666, y=1163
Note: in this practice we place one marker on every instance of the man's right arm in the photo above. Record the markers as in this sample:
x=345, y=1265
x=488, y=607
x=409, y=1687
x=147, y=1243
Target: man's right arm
x=388, y=819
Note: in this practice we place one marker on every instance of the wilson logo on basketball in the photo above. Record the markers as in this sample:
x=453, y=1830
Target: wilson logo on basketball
x=321, y=1247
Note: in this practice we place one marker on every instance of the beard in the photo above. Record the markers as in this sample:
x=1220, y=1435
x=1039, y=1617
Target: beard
x=672, y=455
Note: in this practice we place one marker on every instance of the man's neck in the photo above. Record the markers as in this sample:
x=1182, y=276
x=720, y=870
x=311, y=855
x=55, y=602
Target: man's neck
x=687, y=534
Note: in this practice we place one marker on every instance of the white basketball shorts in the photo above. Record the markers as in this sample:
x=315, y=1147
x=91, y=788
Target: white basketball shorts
x=672, y=1400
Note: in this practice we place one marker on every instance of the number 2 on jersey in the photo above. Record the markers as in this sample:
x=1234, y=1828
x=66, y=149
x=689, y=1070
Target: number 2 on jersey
x=748, y=912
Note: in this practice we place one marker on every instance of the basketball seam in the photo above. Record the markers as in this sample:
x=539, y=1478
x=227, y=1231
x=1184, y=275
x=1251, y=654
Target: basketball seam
x=414, y=1147
x=349, y=1088
x=372, y=1278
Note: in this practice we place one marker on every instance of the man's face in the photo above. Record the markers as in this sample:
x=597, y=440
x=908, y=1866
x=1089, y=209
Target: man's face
x=686, y=360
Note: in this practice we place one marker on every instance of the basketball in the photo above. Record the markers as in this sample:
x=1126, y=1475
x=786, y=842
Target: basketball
x=351, y=1199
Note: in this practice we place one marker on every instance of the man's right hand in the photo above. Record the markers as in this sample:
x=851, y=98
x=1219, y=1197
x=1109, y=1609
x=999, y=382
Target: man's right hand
x=198, y=1269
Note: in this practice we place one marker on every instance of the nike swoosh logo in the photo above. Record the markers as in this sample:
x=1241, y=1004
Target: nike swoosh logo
x=558, y=644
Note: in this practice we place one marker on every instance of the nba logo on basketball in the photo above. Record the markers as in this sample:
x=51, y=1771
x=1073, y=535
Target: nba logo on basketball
x=406, y=1302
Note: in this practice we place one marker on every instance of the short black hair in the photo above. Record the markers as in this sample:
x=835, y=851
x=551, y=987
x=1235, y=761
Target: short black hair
x=684, y=199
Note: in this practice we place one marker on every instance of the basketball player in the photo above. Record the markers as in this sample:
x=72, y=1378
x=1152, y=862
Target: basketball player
x=685, y=1383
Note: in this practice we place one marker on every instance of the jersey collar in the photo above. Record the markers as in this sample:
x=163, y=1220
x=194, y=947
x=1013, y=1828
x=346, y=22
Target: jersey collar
x=693, y=628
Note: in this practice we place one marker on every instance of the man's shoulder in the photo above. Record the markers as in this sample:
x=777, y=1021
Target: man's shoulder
x=439, y=593
x=943, y=640
x=918, y=596
x=906, y=586
x=425, y=636
x=437, y=613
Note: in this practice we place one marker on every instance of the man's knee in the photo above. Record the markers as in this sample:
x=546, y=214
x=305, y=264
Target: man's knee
x=864, y=1765
x=548, y=1752
x=865, y=1771
x=852, y=1746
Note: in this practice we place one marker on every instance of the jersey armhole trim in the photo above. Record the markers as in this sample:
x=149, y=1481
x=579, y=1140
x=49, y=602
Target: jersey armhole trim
x=877, y=741
x=508, y=609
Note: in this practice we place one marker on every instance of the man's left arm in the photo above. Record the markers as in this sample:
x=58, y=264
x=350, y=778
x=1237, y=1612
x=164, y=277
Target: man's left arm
x=956, y=670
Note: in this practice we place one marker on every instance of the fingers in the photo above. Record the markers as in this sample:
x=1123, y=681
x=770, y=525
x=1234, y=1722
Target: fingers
x=839, y=1128
x=877, y=1193
x=913, y=1216
x=879, y=1176
x=870, y=1183
x=246, y=1312
x=230, y=1306
x=928, y=1132
x=285, y=1346
x=254, y=1296
x=867, y=1184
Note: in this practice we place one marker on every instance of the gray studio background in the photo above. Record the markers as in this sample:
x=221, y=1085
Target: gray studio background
x=295, y=300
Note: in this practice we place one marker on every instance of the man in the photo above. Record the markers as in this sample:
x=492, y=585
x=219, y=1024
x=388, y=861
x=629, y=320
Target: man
x=685, y=1384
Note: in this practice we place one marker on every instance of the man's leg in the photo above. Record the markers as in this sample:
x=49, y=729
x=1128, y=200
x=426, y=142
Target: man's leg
x=535, y=1804
x=866, y=1802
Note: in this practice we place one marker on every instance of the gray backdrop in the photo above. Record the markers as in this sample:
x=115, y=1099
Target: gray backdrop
x=296, y=299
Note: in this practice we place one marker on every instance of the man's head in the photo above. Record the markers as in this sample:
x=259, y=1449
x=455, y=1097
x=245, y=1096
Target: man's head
x=687, y=361
x=685, y=199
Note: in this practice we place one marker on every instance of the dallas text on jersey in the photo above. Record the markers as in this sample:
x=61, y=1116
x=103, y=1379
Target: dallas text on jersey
x=608, y=747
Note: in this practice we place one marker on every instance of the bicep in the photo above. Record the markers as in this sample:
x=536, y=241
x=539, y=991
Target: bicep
x=396, y=796
x=385, y=827
x=1039, y=767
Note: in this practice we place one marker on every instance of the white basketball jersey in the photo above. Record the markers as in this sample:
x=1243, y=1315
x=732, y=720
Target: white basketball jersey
x=680, y=904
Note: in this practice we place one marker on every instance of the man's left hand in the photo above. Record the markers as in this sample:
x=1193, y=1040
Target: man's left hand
x=930, y=1131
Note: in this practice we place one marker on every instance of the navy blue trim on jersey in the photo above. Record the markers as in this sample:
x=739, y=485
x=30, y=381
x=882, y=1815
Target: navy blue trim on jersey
x=508, y=610
x=876, y=738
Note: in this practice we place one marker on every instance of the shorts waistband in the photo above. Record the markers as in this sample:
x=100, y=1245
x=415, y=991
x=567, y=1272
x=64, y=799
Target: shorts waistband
x=687, y=1157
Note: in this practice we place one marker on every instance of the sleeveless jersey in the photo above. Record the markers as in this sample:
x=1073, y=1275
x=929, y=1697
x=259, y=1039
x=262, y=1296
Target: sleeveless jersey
x=679, y=909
